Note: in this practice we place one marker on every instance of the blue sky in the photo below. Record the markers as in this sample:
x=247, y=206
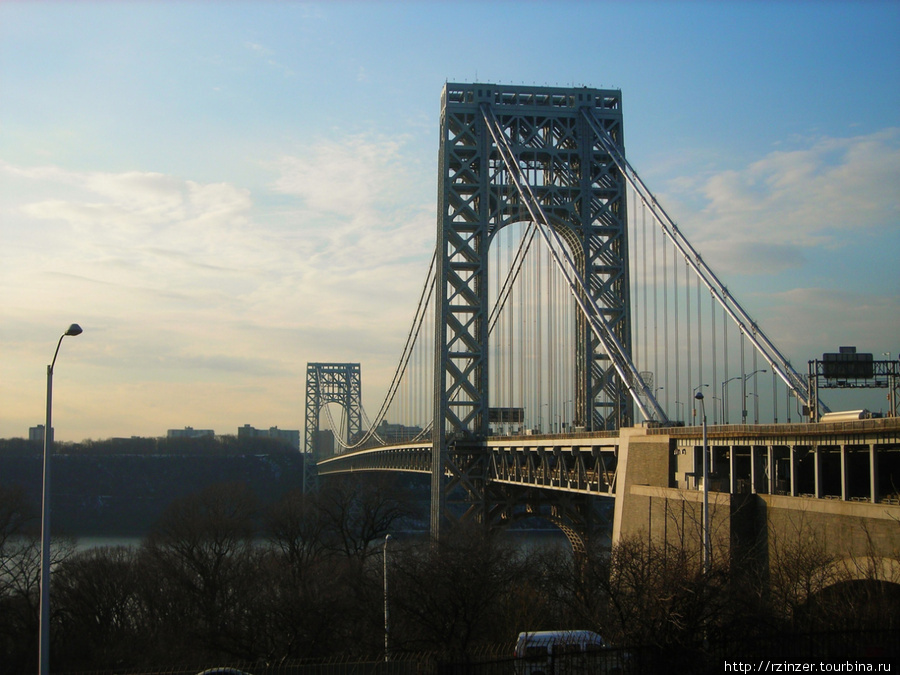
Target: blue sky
x=221, y=192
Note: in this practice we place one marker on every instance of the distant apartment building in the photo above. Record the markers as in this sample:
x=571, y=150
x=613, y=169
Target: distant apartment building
x=36, y=434
x=190, y=432
x=324, y=444
x=397, y=433
x=288, y=436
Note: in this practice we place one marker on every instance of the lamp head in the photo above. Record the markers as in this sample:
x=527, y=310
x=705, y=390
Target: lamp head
x=74, y=329
x=699, y=396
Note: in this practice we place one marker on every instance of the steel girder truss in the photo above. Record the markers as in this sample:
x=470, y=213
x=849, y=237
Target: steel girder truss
x=564, y=483
x=580, y=193
x=326, y=383
x=588, y=470
x=558, y=483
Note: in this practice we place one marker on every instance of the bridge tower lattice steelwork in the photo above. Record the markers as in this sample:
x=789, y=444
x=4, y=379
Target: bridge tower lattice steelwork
x=582, y=192
x=326, y=383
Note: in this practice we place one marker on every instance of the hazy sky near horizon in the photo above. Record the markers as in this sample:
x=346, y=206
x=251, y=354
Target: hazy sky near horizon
x=221, y=192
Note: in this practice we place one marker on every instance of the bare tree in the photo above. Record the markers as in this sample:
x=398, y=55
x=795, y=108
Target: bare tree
x=101, y=615
x=295, y=527
x=358, y=511
x=203, y=544
x=451, y=596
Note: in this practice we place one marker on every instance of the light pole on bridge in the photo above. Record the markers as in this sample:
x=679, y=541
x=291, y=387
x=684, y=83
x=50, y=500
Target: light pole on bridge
x=725, y=397
x=694, y=410
x=707, y=547
x=744, y=394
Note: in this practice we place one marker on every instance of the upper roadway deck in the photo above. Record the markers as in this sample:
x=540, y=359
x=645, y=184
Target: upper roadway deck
x=858, y=460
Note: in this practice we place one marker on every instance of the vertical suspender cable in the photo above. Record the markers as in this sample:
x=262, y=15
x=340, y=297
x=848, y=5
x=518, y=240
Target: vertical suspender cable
x=665, y=289
x=677, y=336
x=712, y=319
x=494, y=337
x=774, y=398
x=687, y=326
x=755, y=391
x=644, y=281
x=633, y=271
x=743, y=381
x=521, y=286
x=510, y=325
x=655, y=312
x=724, y=365
x=699, y=337
x=551, y=340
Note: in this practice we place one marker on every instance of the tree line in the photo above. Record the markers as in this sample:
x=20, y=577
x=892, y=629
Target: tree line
x=218, y=446
x=221, y=579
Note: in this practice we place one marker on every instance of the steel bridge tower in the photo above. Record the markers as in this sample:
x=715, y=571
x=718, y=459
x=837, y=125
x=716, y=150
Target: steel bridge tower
x=551, y=133
x=326, y=383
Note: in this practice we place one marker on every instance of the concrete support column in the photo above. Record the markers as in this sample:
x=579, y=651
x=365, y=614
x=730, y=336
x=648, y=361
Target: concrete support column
x=793, y=455
x=732, y=481
x=770, y=468
x=753, y=489
x=845, y=486
x=817, y=474
x=873, y=474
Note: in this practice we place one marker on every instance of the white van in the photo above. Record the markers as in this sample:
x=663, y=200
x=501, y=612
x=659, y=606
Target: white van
x=564, y=652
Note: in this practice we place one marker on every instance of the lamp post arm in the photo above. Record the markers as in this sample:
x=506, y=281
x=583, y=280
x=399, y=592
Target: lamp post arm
x=55, y=354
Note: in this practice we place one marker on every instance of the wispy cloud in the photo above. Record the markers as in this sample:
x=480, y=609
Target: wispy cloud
x=267, y=56
x=811, y=196
x=797, y=314
x=193, y=282
x=360, y=199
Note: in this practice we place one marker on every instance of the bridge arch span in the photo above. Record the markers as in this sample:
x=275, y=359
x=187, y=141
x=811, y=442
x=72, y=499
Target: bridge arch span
x=575, y=538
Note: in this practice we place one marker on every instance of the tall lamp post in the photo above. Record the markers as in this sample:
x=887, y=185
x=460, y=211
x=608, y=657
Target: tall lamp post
x=725, y=398
x=744, y=394
x=694, y=410
x=44, y=658
x=707, y=547
x=387, y=622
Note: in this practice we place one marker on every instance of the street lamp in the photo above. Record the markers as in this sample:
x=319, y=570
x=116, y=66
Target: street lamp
x=44, y=656
x=387, y=623
x=744, y=394
x=707, y=547
x=716, y=408
x=694, y=410
x=725, y=398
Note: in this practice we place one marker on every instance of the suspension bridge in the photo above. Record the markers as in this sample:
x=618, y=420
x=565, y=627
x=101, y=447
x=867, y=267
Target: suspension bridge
x=569, y=342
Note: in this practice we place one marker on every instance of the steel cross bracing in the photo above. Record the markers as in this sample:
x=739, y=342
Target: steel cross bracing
x=592, y=313
x=779, y=364
x=512, y=154
x=326, y=383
